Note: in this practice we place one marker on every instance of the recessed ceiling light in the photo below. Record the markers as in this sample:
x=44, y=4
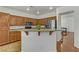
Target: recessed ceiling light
x=28, y=9
x=50, y=8
x=38, y=12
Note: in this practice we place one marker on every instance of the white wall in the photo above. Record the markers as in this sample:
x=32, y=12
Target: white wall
x=67, y=21
x=47, y=15
x=65, y=9
x=76, y=27
x=42, y=43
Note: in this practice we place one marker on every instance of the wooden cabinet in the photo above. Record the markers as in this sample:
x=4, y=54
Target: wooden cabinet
x=12, y=20
x=4, y=28
x=19, y=21
x=15, y=36
x=34, y=21
x=16, y=20
x=26, y=20
x=4, y=36
x=42, y=21
x=4, y=20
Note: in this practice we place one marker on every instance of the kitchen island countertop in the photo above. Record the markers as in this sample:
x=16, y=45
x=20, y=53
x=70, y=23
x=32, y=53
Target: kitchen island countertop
x=35, y=30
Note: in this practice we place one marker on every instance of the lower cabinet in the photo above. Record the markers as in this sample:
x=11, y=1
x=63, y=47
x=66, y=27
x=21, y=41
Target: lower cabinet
x=14, y=36
x=4, y=36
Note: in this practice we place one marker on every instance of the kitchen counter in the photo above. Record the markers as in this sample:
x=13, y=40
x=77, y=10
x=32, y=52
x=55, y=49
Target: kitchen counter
x=22, y=28
x=34, y=30
x=35, y=43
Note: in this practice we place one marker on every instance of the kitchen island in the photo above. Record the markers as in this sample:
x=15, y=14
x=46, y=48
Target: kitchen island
x=35, y=43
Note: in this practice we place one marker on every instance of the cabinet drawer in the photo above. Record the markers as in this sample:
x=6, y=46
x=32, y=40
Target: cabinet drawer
x=14, y=36
x=4, y=36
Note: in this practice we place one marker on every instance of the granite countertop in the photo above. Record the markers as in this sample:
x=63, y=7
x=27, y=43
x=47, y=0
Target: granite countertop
x=34, y=30
x=22, y=28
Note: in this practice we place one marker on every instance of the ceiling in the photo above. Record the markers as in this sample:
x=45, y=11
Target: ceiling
x=33, y=9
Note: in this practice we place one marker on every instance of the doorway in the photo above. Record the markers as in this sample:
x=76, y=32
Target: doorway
x=67, y=23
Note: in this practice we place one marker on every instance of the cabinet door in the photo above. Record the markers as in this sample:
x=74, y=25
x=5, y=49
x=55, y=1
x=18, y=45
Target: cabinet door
x=4, y=28
x=14, y=36
x=34, y=21
x=4, y=36
x=26, y=20
x=4, y=21
x=19, y=20
x=18, y=35
x=12, y=20
x=42, y=22
x=16, y=20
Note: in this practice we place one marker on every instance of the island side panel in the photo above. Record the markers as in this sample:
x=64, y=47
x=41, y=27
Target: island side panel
x=35, y=43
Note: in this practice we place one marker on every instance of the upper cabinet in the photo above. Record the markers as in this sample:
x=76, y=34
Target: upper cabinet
x=42, y=21
x=16, y=20
x=4, y=20
x=12, y=20
x=19, y=20
x=34, y=21
x=4, y=28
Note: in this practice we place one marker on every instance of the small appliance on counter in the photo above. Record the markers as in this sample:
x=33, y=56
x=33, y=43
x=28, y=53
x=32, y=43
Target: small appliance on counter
x=28, y=25
x=47, y=26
